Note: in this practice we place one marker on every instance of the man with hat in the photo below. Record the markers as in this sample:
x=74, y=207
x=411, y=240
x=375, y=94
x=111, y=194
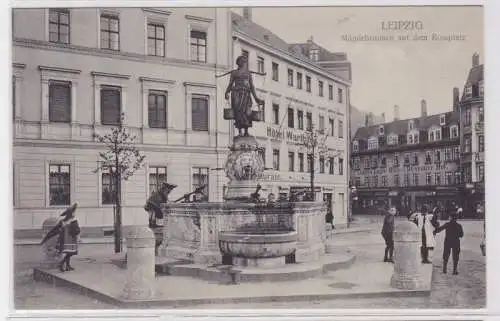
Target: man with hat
x=454, y=232
x=425, y=222
x=153, y=207
x=68, y=231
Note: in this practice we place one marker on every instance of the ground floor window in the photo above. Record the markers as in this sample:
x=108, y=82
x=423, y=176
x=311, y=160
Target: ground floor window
x=200, y=178
x=59, y=184
x=108, y=187
x=157, y=176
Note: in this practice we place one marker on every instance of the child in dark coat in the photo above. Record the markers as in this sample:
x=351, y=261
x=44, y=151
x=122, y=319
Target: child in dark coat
x=388, y=234
x=454, y=232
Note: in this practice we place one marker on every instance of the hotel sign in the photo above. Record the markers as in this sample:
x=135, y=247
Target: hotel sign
x=288, y=135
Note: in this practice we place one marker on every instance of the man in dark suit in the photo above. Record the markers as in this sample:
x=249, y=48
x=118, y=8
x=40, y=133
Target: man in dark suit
x=454, y=232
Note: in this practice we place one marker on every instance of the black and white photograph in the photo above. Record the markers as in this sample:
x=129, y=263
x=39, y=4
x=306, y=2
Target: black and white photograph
x=248, y=157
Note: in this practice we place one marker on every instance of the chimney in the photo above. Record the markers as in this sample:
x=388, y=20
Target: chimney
x=423, y=107
x=383, y=118
x=366, y=120
x=475, y=59
x=310, y=40
x=456, y=98
x=396, y=112
x=247, y=13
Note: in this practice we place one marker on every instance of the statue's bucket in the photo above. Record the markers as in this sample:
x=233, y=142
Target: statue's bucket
x=257, y=115
x=228, y=113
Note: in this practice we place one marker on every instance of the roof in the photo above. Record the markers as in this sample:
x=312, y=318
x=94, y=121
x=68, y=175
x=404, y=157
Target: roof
x=476, y=74
x=324, y=54
x=400, y=127
x=264, y=35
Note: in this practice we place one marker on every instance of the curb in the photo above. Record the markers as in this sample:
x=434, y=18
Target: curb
x=31, y=242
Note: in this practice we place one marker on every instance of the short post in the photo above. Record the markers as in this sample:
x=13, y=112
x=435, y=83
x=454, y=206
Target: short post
x=51, y=254
x=407, y=266
x=140, y=283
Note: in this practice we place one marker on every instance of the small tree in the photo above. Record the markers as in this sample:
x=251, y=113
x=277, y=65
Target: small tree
x=315, y=144
x=122, y=159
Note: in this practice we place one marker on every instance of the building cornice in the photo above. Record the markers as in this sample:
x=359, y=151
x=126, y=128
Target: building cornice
x=308, y=66
x=196, y=18
x=97, y=52
x=109, y=75
x=58, y=69
x=198, y=84
x=157, y=80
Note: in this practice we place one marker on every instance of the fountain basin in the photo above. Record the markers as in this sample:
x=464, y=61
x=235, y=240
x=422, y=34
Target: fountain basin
x=263, y=249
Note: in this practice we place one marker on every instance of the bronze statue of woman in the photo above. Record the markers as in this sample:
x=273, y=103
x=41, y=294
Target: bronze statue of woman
x=241, y=87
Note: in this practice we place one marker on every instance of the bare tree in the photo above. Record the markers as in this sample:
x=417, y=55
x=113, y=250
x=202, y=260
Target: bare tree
x=122, y=159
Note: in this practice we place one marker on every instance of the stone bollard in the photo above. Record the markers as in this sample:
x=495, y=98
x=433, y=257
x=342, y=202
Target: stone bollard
x=51, y=256
x=407, y=265
x=140, y=284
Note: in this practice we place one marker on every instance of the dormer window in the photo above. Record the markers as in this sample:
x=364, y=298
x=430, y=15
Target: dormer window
x=412, y=138
x=372, y=143
x=314, y=54
x=481, y=89
x=435, y=134
x=454, y=131
x=442, y=120
x=392, y=139
x=411, y=125
x=468, y=91
x=355, y=146
x=381, y=130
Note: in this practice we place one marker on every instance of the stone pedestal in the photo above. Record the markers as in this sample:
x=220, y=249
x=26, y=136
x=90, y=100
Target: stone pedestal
x=266, y=263
x=140, y=283
x=51, y=256
x=407, y=266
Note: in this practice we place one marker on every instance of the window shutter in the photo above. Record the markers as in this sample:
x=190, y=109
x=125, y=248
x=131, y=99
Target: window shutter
x=60, y=102
x=110, y=106
x=199, y=113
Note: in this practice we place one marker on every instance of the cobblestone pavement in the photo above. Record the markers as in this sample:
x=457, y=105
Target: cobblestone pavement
x=467, y=290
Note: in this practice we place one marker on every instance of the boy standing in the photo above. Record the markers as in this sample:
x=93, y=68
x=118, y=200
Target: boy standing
x=388, y=234
x=454, y=232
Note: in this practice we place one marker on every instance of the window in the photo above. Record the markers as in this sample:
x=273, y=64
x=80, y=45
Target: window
x=276, y=114
x=442, y=120
x=454, y=131
x=407, y=159
x=437, y=178
x=110, y=105
x=341, y=129
x=437, y=156
x=412, y=139
x=457, y=178
x=480, y=171
x=290, y=116
x=428, y=179
x=290, y=77
x=411, y=125
x=198, y=46
x=355, y=146
x=416, y=179
x=340, y=95
x=468, y=117
x=341, y=166
x=480, y=143
x=308, y=84
x=157, y=109
x=200, y=178
x=275, y=72
x=481, y=114
x=447, y=154
x=157, y=176
x=331, y=165
x=456, y=153
x=468, y=91
x=396, y=180
x=372, y=143
x=314, y=54
x=322, y=124
x=431, y=136
x=449, y=178
x=59, y=185
x=301, y=162
x=322, y=164
x=356, y=162
x=467, y=145
x=59, y=25
x=383, y=162
x=367, y=162
x=331, y=123
x=276, y=159
x=406, y=180
x=299, y=80
x=320, y=88
x=384, y=181
x=262, y=154
x=291, y=161
x=309, y=121
x=415, y=159
x=428, y=158
x=374, y=162
x=375, y=181
x=108, y=192
x=481, y=89
x=392, y=139
x=310, y=163
x=199, y=113
x=330, y=92
x=395, y=160
x=59, y=101
x=110, y=32
x=300, y=119
x=357, y=181
x=156, y=40
x=260, y=64
x=381, y=130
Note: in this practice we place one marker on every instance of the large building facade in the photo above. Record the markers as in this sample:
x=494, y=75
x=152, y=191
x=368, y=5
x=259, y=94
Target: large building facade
x=472, y=137
x=407, y=163
x=76, y=70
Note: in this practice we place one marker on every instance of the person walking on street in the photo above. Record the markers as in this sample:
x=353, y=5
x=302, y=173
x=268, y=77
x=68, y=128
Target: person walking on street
x=454, y=232
x=388, y=234
x=427, y=223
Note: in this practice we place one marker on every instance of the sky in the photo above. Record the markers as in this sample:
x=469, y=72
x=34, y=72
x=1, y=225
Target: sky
x=397, y=72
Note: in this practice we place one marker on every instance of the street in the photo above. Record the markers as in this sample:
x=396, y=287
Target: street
x=467, y=290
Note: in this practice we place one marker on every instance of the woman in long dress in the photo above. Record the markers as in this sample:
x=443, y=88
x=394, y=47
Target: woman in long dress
x=241, y=89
